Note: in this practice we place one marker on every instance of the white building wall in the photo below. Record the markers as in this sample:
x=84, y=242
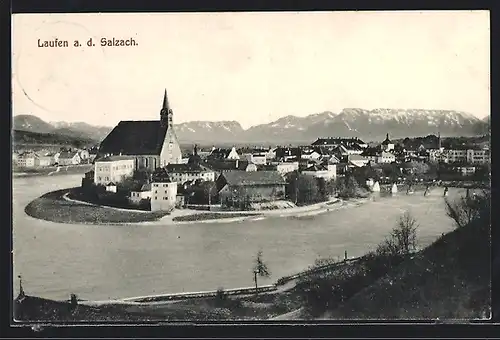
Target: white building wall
x=113, y=171
x=163, y=196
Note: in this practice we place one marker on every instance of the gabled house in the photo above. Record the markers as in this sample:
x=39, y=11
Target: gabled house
x=357, y=160
x=182, y=173
x=324, y=170
x=163, y=191
x=236, y=187
x=223, y=154
x=27, y=160
x=139, y=194
x=69, y=158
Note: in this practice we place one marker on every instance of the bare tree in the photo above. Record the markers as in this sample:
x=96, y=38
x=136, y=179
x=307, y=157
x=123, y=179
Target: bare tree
x=402, y=239
x=467, y=208
x=260, y=269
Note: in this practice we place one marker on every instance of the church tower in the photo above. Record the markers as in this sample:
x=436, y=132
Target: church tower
x=166, y=113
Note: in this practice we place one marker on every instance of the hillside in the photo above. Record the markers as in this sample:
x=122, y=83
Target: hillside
x=26, y=137
x=447, y=280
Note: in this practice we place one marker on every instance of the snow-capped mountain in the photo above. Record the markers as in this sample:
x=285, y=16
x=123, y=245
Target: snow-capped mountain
x=371, y=125
x=205, y=131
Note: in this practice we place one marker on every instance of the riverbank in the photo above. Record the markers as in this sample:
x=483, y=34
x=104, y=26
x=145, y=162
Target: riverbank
x=52, y=170
x=425, y=285
x=54, y=207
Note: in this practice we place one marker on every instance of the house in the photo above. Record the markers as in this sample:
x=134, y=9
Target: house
x=44, y=160
x=310, y=154
x=182, y=173
x=223, y=154
x=324, y=170
x=371, y=153
x=27, y=160
x=465, y=170
x=139, y=194
x=256, y=158
x=478, y=156
x=152, y=144
x=111, y=187
x=235, y=187
x=287, y=153
x=357, y=160
x=221, y=166
x=334, y=142
x=329, y=158
x=456, y=155
x=69, y=158
x=163, y=191
x=284, y=168
x=387, y=144
x=385, y=157
x=113, y=169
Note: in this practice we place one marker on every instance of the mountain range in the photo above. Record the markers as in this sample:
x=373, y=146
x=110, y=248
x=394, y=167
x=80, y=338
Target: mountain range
x=371, y=125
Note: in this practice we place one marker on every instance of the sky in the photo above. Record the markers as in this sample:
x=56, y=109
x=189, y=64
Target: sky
x=250, y=67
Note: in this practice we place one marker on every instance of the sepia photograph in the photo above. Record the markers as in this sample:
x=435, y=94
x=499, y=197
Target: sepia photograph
x=251, y=166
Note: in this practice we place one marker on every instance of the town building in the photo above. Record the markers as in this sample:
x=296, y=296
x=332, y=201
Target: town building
x=163, y=191
x=465, y=170
x=138, y=195
x=152, y=144
x=27, y=160
x=457, y=155
x=221, y=166
x=334, y=142
x=357, y=160
x=69, y=158
x=387, y=144
x=324, y=170
x=182, y=173
x=385, y=157
x=44, y=160
x=113, y=169
x=235, y=187
x=223, y=154
x=256, y=158
x=478, y=156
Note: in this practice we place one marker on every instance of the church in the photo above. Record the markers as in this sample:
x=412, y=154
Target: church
x=152, y=144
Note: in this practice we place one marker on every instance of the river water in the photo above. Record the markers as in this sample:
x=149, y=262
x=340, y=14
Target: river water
x=107, y=262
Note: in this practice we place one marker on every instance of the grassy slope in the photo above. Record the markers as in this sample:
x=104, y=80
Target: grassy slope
x=450, y=279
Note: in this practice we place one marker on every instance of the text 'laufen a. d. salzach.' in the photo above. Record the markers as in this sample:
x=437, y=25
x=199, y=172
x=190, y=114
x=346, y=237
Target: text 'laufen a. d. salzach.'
x=103, y=42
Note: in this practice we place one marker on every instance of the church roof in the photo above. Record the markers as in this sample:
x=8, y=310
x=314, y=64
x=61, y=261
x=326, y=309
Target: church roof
x=144, y=137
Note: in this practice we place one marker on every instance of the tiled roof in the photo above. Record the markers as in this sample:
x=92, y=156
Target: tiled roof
x=316, y=167
x=160, y=175
x=334, y=141
x=67, y=155
x=243, y=178
x=184, y=168
x=135, y=138
x=357, y=158
x=114, y=158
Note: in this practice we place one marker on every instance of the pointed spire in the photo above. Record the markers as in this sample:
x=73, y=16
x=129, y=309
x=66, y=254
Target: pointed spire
x=165, y=101
x=387, y=136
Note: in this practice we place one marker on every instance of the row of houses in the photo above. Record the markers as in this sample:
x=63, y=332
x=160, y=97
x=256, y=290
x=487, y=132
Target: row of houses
x=31, y=159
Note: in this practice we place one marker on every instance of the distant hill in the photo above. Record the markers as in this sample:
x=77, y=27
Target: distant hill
x=79, y=130
x=30, y=138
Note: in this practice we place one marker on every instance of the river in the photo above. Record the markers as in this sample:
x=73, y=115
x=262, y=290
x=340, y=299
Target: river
x=108, y=262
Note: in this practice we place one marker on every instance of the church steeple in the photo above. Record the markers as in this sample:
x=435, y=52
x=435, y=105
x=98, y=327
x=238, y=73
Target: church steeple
x=166, y=113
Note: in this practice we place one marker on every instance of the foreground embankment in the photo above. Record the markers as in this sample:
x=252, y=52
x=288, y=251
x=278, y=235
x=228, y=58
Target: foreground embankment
x=55, y=208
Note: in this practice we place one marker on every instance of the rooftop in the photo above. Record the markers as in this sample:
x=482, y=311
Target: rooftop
x=243, y=178
x=113, y=158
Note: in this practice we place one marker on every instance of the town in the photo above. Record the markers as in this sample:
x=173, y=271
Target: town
x=140, y=165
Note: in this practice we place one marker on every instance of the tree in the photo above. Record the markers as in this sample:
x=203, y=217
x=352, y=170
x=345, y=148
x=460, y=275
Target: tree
x=260, y=269
x=466, y=209
x=348, y=187
x=307, y=189
x=402, y=240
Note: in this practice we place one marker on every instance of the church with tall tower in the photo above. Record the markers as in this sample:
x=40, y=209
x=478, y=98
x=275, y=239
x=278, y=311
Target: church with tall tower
x=152, y=143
